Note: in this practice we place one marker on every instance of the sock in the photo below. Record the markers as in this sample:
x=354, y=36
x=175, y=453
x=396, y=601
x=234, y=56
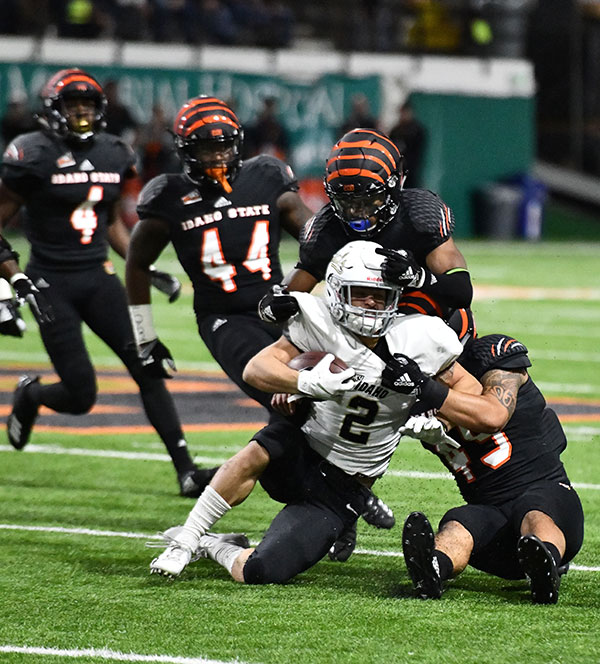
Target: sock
x=221, y=552
x=209, y=508
x=445, y=564
x=554, y=551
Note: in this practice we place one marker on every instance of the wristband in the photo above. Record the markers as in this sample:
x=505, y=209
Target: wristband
x=142, y=323
x=16, y=277
x=433, y=394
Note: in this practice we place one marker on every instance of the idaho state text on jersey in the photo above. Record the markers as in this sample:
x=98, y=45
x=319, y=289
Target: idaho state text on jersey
x=232, y=213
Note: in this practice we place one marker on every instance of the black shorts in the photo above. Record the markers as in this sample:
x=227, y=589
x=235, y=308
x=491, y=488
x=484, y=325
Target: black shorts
x=232, y=340
x=496, y=529
x=321, y=502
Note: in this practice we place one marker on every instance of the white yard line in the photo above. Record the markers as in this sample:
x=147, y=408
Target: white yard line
x=145, y=536
x=111, y=655
x=155, y=456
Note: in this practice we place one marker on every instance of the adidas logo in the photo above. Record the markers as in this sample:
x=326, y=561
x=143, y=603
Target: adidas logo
x=404, y=381
x=222, y=202
x=86, y=165
x=217, y=324
x=14, y=428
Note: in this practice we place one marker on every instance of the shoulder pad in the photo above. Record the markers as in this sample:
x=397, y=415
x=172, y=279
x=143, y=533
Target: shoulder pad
x=494, y=351
x=427, y=212
x=153, y=189
x=274, y=167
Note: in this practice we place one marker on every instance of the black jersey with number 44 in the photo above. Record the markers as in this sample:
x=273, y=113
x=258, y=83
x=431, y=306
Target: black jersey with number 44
x=228, y=243
x=422, y=223
x=69, y=191
x=491, y=469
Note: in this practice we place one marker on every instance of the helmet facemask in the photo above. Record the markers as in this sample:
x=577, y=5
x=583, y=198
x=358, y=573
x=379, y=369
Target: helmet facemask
x=208, y=138
x=363, y=180
x=73, y=105
x=356, y=270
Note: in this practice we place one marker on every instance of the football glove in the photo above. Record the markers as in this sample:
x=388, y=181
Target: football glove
x=427, y=429
x=343, y=547
x=27, y=292
x=402, y=374
x=320, y=383
x=166, y=283
x=277, y=305
x=11, y=323
x=156, y=359
x=401, y=268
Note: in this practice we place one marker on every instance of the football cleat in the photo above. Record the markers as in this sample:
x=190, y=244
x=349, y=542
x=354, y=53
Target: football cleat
x=378, y=514
x=193, y=482
x=539, y=566
x=172, y=561
x=23, y=415
x=344, y=546
x=209, y=539
x=418, y=544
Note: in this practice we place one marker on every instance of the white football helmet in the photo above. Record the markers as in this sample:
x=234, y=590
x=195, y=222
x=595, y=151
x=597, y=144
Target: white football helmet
x=357, y=264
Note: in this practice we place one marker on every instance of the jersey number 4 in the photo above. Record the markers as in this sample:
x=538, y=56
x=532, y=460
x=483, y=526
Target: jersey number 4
x=216, y=267
x=84, y=218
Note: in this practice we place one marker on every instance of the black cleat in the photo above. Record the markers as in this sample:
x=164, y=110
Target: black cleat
x=193, y=482
x=344, y=545
x=540, y=568
x=378, y=514
x=23, y=415
x=418, y=544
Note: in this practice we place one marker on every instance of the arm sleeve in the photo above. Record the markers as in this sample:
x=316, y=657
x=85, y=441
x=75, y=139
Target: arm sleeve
x=453, y=288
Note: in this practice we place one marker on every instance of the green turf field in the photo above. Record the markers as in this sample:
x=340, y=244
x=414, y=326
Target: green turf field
x=76, y=510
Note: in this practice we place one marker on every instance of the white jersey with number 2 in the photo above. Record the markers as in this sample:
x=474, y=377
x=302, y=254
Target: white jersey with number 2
x=359, y=433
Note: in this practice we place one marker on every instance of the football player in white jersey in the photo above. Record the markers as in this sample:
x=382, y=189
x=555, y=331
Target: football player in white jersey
x=323, y=468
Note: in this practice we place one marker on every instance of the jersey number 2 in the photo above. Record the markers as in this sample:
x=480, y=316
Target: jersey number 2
x=84, y=218
x=216, y=267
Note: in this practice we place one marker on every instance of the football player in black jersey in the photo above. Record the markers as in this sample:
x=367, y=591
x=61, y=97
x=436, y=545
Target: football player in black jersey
x=224, y=218
x=522, y=516
x=363, y=180
x=68, y=178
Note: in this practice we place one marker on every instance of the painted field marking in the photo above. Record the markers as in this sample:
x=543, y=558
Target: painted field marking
x=110, y=655
x=133, y=535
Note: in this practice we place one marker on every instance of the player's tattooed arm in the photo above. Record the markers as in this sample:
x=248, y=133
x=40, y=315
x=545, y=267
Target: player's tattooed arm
x=504, y=385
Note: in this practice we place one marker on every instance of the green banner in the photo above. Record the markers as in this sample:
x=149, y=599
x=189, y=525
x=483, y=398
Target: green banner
x=311, y=112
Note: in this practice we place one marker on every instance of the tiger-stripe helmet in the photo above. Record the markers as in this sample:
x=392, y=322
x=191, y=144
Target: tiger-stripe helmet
x=70, y=84
x=208, y=138
x=363, y=179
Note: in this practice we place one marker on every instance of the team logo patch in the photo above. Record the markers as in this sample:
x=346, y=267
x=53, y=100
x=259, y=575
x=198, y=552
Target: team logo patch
x=109, y=268
x=192, y=197
x=13, y=152
x=66, y=160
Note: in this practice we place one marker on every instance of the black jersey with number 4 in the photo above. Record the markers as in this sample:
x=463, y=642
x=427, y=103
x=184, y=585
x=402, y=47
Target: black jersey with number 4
x=69, y=191
x=422, y=223
x=228, y=243
x=491, y=469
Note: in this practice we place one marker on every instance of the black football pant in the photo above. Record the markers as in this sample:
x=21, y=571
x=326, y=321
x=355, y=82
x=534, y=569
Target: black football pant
x=232, y=340
x=98, y=299
x=321, y=503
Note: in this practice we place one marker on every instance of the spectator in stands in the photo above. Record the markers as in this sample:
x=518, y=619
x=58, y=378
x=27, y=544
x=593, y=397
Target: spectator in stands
x=18, y=118
x=360, y=115
x=119, y=120
x=409, y=136
x=267, y=135
x=157, y=154
x=80, y=19
x=176, y=20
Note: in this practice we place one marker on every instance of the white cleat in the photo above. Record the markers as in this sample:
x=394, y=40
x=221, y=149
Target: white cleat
x=172, y=561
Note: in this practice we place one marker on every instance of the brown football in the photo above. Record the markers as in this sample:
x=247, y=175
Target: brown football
x=312, y=357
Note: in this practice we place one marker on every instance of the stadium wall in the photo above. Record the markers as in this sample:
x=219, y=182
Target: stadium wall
x=479, y=113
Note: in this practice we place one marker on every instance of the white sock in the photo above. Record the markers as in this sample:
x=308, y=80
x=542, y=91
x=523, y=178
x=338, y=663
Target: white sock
x=221, y=552
x=209, y=508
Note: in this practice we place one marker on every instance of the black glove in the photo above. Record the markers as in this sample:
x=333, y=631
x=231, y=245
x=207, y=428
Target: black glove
x=403, y=375
x=277, y=305
x=401, y=268
x=165, y=283
x=39, y=305
x=11, y=323
x=157, y=360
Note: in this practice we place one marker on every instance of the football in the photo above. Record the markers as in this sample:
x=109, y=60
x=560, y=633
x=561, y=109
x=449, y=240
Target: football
x=312, y=357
